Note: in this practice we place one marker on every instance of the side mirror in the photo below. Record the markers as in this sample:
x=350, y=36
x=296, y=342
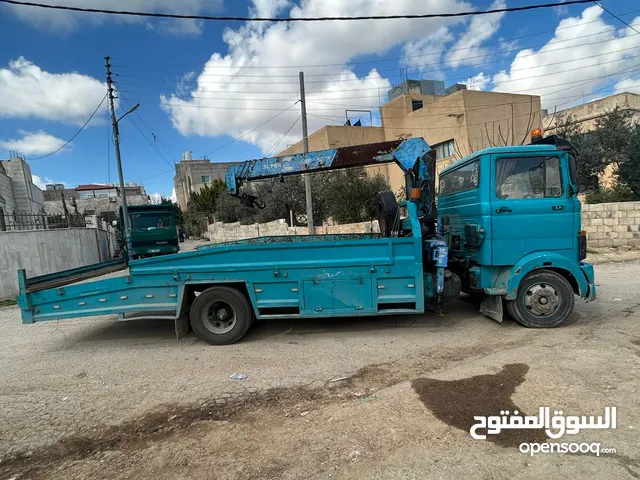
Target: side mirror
x=536, y=179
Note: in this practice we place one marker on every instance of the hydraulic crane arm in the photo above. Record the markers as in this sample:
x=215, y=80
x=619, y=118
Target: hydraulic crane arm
x=410, y=155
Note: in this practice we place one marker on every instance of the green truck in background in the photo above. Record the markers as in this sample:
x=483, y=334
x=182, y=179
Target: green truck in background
x=153, y=231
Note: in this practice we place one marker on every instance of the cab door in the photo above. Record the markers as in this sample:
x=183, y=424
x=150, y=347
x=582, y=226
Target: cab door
x=531, y=207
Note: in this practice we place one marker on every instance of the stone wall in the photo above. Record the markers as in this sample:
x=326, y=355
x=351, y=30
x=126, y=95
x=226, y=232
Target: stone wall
x=612, y=224
x=607, y=225
x=47, y=251
x=228, y=232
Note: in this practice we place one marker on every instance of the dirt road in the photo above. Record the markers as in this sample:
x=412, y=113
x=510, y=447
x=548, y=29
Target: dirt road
x=358, y=398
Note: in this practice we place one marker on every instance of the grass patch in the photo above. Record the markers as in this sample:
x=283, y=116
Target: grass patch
x=7, y=303
x=592, y=252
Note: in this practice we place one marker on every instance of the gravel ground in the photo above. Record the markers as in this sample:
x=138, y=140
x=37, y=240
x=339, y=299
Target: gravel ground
x=97, y=398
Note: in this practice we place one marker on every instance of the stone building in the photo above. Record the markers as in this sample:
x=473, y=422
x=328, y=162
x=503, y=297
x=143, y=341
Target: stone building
x=19, y=196
x=454, y=121
x=92, y=199
x=192, y=175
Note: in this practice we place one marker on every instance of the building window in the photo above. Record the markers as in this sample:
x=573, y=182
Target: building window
x=416, y=105
x=89, y=212
x=86, y=194
x=445, y=149
x=529, y=177
x=206, y=179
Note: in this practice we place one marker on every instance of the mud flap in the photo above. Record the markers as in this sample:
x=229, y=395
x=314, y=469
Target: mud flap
x=183, y=327
x=491, y=306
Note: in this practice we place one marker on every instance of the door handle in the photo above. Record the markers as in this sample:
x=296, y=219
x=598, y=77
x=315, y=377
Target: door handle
x=503, y=210
x=557, y=207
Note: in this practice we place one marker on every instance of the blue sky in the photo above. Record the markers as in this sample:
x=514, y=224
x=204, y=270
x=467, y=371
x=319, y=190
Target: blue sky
x=197, y=92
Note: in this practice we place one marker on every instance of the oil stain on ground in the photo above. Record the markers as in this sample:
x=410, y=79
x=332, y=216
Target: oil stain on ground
x=456, y=402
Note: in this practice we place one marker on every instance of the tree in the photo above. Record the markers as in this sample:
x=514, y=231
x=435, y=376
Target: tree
x=64, y=204
x=351, y=196
x=202, y=205
x=74, y=205
x=608, y=144
x=629, y=168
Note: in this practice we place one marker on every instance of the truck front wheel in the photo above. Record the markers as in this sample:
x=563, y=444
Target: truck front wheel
x=220, y=315
x=545, y=300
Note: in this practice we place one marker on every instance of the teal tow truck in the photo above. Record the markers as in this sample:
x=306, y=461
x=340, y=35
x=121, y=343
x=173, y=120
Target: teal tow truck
x=421, y=259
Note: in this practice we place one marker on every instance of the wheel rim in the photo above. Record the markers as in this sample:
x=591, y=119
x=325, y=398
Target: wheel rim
x=219, y=317
x=541, y=300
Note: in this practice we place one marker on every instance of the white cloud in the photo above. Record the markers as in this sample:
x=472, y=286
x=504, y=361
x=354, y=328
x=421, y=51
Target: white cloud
x=478, y=82
x=550, y=72
x=425, y=53
x=330, y=89
x=173, y=196
x=268, y=8
x=28, y=91
x=481, y=28
x=33, y=143
x=629, y=85
x=67, y=21
x=42, y=183
x=156, y=198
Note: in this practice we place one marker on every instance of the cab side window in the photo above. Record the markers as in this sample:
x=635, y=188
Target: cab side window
x=461, y=179
x=528, y=177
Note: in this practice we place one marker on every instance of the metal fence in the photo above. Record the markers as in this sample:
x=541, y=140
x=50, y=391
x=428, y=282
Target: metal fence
x=27, y=221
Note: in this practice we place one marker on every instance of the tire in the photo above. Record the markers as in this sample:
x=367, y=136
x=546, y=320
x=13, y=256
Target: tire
x=220, y=315
x=388, y=213
x=528, y=310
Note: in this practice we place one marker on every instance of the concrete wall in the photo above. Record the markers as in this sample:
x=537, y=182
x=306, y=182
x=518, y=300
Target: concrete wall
x=612, y=224
x=47, y=251
x=227, y=232
x=586, y=115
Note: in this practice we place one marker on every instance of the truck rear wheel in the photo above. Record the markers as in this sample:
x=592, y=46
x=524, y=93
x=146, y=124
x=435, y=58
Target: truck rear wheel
x=220, y=315
x=545, y=300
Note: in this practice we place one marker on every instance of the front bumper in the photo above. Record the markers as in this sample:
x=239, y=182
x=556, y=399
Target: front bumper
x=587, y=270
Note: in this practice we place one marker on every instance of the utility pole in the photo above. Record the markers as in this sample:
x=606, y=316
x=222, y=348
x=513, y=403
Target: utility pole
x=116, y=140
x=305, y=146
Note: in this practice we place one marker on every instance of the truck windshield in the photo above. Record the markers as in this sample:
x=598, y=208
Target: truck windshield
x=151, y=221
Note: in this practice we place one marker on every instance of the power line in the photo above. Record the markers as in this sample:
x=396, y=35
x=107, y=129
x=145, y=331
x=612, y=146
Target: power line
x=617, y=17
x=391, y=59
x=338, y=106
x=548, y=74
x=273, y=149
x=361, y=89
x=633, y=69
x=155, y=137
x=250, y=131
x=149, y=142
x=296, y=19
x=379, y=70
x=76, y=134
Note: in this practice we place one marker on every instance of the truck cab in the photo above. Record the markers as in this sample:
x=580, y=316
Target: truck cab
x=153, y=231
x=511, y=219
